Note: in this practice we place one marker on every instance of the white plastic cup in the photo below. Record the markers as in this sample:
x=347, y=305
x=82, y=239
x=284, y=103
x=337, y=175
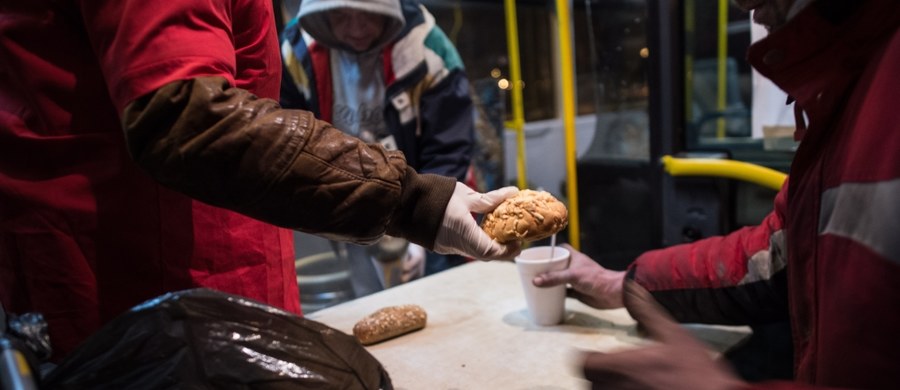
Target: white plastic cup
x=546, y=305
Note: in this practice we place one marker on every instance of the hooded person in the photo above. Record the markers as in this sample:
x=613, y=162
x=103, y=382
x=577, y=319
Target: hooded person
x=383, y=71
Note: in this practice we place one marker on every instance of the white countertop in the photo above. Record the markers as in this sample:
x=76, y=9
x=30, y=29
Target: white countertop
x=478, y=334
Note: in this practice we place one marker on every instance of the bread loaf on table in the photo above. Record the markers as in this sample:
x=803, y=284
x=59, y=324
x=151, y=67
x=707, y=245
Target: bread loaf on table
x=389, y=322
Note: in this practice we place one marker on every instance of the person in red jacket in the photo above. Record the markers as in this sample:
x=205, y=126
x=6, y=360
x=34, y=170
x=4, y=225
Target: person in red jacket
x=827, y=257
x=142, y=151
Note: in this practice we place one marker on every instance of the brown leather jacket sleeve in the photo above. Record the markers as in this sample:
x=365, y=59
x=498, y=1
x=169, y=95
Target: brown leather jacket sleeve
x=226, y=147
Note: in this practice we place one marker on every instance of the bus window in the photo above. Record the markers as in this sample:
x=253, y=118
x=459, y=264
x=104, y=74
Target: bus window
x=478, y=30
x=717, y=78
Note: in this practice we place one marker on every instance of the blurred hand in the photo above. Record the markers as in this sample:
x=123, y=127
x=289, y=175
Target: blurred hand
x=413, y=263
x=592, y=284
x=460, y=234
x=678, y=362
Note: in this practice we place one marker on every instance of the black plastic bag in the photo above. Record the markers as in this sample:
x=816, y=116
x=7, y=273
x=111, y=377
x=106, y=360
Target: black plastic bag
x=205, y=339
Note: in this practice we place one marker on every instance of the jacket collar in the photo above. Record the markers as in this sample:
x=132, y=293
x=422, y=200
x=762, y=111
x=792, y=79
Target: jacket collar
x=820, y=53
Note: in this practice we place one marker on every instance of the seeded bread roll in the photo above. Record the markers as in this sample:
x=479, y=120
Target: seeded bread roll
x=528, y=216
x=389, y=322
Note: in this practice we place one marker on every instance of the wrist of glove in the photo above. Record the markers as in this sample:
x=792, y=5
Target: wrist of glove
x=459, y=232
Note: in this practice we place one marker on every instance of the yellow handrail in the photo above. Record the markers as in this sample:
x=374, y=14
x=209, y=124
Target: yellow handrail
x=689, y=39
x=517, y=123
x=731, y=169
x=722, y=63
x=564, y=24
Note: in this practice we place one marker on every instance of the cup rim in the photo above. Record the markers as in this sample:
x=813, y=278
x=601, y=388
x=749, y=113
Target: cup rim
x=541, y=261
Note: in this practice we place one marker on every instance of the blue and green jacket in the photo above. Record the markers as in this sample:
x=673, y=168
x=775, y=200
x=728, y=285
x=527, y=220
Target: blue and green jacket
x=428, y=108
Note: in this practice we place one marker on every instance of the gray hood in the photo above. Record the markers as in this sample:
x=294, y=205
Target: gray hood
x=314, y=21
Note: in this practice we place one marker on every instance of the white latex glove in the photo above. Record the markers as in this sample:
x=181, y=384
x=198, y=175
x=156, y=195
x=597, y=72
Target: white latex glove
x=413, y=263
x=459, y=232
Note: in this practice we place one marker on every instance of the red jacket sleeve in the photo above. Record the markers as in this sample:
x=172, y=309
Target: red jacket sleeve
x=734, y=279
x=143, y=45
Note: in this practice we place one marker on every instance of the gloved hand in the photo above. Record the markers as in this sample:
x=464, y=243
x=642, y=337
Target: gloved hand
x=413, y=263
x=592, y=284
x=459, y=232
x=678, y=362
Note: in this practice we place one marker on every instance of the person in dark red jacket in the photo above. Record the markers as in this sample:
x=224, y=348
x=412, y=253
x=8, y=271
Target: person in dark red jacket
x=142, y=151
x=828, y=256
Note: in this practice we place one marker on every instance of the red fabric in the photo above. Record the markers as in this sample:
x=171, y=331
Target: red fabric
x=321, y=62
x=843, y=294
x=84, y=234
x=714, y=262
x=388, y=64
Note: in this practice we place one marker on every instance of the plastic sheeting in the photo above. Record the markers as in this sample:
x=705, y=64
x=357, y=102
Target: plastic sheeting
x=204, y=339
